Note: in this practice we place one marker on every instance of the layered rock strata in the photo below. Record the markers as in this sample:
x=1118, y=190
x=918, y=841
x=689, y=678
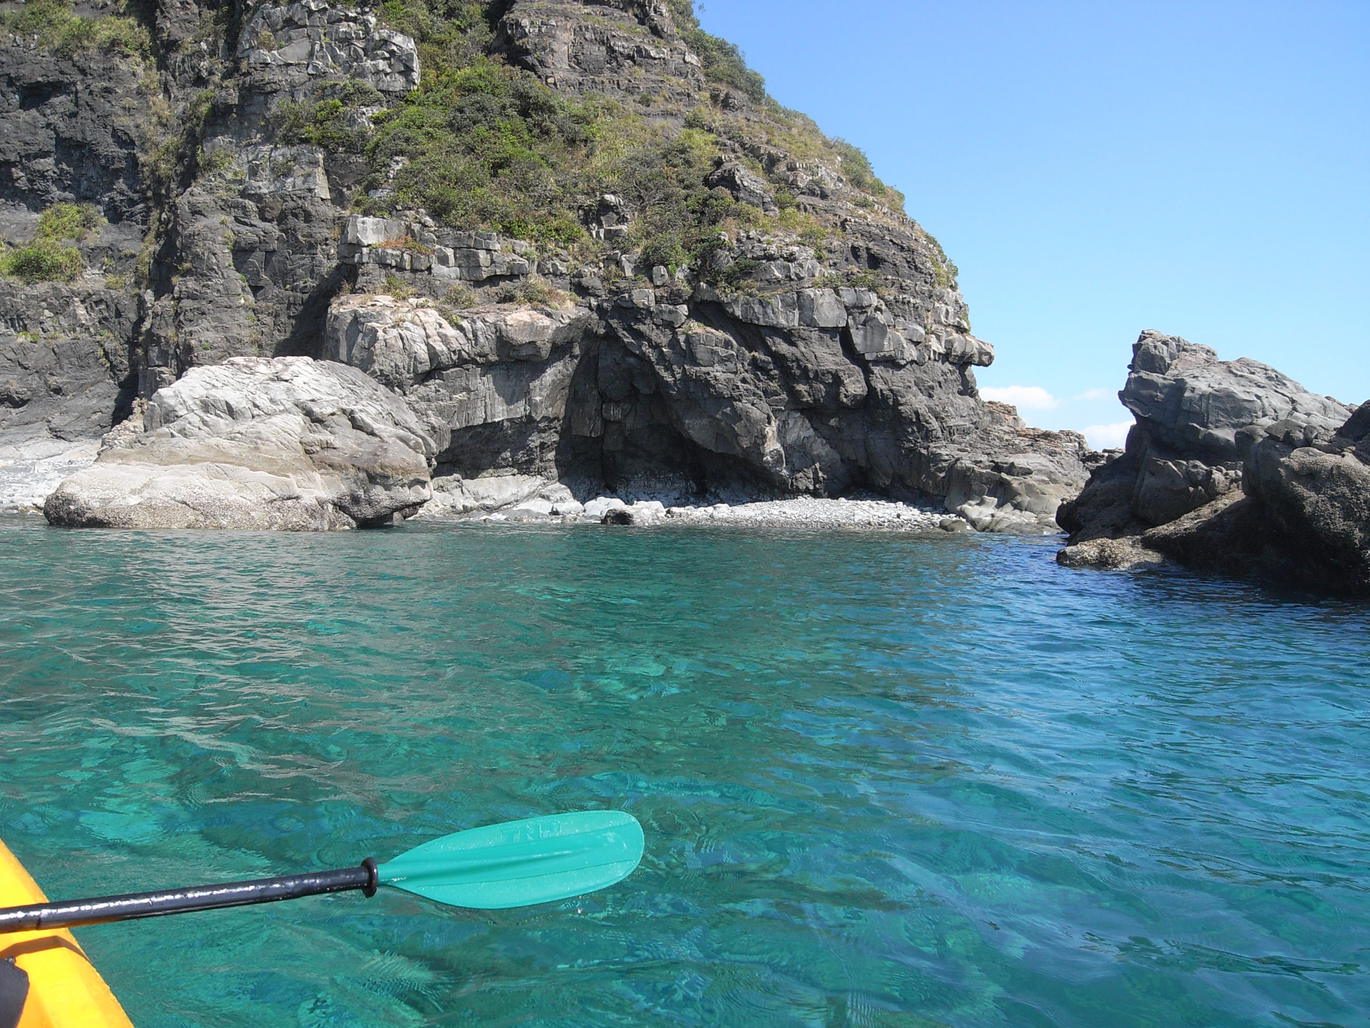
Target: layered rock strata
x=822, y=354
x=805, y=389
x=1233, y=467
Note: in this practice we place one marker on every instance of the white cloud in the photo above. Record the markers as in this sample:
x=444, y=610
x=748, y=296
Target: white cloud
x=1107, y=437
x=1022, y=397
x=1096, y=394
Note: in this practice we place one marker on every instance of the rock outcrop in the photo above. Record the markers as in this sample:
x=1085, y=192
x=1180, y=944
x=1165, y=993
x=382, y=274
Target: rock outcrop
x=1231, y=467
x=803, y=390
x=788, y=330
x=257, y=443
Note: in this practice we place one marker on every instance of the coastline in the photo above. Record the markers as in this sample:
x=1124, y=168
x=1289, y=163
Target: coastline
x=803, y=512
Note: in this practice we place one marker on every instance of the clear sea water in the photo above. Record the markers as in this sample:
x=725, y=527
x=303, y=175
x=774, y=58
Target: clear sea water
x=884, y=779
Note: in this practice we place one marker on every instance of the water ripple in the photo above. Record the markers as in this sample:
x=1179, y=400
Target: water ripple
x=884, y=779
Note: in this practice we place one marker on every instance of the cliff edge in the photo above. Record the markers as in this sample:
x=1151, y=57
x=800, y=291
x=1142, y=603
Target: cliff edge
x=577, y=238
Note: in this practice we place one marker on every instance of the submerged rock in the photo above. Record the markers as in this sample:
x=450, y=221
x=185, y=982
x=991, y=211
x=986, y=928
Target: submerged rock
x=287, y=443
x=1107, y=554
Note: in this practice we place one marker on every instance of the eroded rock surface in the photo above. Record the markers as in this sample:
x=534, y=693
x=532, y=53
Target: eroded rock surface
x=1196, y=419
x=821, y=348
x=258, y=443
x=1231, y=467
x=766, y=392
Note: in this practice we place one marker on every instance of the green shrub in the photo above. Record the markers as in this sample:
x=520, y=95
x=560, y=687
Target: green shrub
x=856, y=166
x=68, y=221
x=64, y=32
x=536, y=290
x=488, y=145
x=722, y=61
x=334, y=123
x=43, y=260
x=47, y=257
x=450, y=33
x=459, y=297
x=944, y=270
x=679, y=218
x=484, y=145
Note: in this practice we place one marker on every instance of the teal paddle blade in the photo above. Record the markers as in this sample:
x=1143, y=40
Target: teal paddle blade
x=536, y=860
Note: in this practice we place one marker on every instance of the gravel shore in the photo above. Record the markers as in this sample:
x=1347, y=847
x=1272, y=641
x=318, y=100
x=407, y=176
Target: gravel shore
x=796, y=512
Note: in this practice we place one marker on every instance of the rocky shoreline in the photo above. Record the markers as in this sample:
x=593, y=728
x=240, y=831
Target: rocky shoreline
x=264, y=306
x=730, y=297
x=805, y=513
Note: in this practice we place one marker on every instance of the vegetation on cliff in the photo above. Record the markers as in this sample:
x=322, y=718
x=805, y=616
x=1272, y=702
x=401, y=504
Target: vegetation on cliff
x=483, y=144
x=60, y=29
x=49, y=255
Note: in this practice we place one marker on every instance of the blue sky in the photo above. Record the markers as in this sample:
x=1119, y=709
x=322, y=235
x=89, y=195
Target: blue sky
x=1201, y=168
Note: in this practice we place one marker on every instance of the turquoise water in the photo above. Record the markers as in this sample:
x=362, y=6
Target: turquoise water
x=884, y=779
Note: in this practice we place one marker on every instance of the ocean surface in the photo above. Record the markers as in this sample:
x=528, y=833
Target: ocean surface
x=884, y=779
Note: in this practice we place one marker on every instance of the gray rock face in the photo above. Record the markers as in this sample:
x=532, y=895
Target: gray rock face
x=493, y=385
x=1188, y=401
x=656, y=381
x=1318, y=497
x=291, y=44
x=250, y=256
x=613, y=46
x=63, y=360
x=745, y=186
x=1285, y=495
x=70, y=131
x=256, y=443
x=1196, y=418
x=841, y=363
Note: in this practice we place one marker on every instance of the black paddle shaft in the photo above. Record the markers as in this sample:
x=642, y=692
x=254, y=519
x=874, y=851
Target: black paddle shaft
x=72, y=913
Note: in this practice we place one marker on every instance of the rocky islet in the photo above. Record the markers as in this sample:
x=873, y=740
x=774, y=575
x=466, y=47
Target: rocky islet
x=1230, y=467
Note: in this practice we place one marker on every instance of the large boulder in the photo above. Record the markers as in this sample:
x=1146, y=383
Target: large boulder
x=1196, y=417
x=287, y=443
x=1284, y=496
x=1318, y=497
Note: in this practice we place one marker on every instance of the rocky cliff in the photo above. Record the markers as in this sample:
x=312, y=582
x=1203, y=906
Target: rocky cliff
x=576, y=237
x=1232, y=467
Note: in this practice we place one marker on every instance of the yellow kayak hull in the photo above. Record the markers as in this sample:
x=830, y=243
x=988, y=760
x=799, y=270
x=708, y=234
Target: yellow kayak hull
x=64, y=987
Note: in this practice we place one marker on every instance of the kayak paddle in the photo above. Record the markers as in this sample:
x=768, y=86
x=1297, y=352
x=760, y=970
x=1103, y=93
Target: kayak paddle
x=515, y=864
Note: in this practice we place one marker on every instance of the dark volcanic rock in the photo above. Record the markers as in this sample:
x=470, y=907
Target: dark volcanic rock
x=1196, y=417
x=821, y=347
x=765, y=393
x=1234, y=468
x=64, y=359
x=71, y=132
x=1188, y=401
x=1318, y=497
x=608, y=46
